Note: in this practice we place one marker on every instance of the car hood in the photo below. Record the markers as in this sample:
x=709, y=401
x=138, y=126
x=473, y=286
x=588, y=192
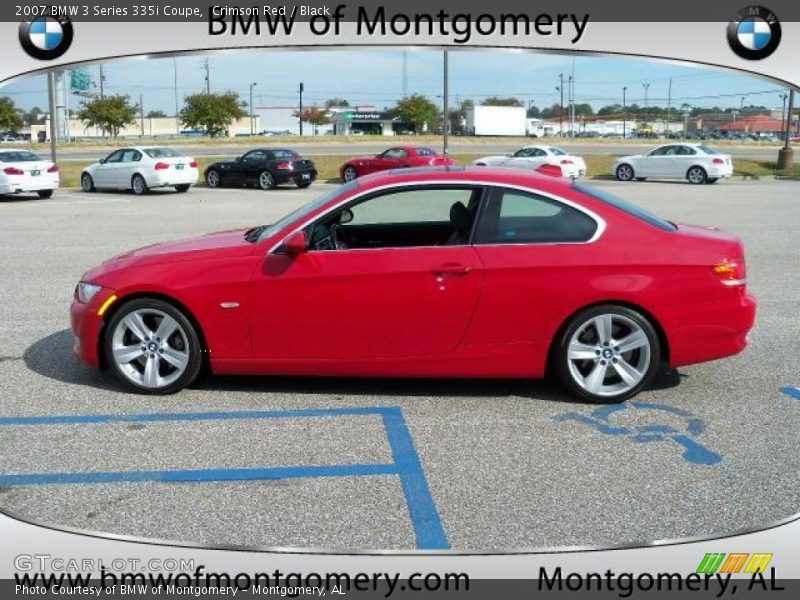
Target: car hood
x=212, y=245
x=629, y=157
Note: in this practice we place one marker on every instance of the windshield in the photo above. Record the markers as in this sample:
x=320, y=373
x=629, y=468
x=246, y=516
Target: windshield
x=162, y=153
x=18, y=156
x=557, y=151
x=624, y=205
x=307, y=209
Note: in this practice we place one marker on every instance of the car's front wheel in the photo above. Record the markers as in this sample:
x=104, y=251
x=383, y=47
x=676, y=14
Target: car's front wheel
x=139, y=185
x=696, y=175
x=87, y=183
x=607, y=354
x=152, y=347
x=624, y=172
x=349, y=174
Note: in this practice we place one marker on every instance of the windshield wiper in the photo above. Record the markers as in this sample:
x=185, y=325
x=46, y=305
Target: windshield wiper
x=252, y=235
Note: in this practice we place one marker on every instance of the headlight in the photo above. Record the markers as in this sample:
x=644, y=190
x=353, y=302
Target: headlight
x=84, y=292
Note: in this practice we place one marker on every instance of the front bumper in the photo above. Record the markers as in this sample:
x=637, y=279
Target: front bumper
x=87, y=326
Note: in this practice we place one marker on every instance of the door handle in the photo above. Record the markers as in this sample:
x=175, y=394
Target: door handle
x=451, y=269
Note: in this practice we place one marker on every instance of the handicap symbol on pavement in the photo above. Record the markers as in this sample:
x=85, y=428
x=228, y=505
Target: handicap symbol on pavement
x=693, y=451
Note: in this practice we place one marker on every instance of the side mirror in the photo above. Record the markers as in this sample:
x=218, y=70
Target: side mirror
x=295, y=244
x=238, y=159
x=102, y=161
x=346, y=216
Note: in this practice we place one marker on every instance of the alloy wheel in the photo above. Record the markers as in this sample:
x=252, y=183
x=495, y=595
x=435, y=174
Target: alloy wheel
x=266, y=181
x=624, y=173
x=696, y=175
x=212, y=179
x=609, y=355
x=350, y=174
x=150, y=348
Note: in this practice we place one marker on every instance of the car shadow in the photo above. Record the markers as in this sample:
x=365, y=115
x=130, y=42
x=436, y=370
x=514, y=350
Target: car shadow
x=52, y=357
x=12, y=198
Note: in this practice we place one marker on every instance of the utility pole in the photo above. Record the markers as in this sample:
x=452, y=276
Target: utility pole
x=175, y=87
x=446, y=104
x=301, y=107
x=405, y=73
x=669, y=99
x=102, y=83
x=624, y=120
x=561, y=105
x=646, y=87
x=51, y=94
x=252, y=124
x=786, y=154
x=207, y=67
x=141, y=111
x=571, y=101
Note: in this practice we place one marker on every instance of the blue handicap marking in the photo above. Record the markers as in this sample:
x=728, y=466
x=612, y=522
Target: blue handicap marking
x=693, y=451
x=428, y=529
x=792, y=391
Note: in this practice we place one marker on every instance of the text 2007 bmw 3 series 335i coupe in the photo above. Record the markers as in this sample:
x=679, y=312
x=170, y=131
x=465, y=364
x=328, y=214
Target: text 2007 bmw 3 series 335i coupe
x=442, y=272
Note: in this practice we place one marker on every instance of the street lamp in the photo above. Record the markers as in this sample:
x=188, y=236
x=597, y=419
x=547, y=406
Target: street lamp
x=624, y=120
x=252, y=124
x=646, y=87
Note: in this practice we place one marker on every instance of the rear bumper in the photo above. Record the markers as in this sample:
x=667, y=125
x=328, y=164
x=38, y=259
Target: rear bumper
x=170, y=177
x=29, y=184
x=720, y=171
x=710, y=330
x=296, y=176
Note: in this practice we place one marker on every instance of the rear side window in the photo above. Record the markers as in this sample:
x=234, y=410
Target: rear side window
x=425, y=152
x=162, y=153
x=625, y=206
x=18, y=156
x=518, y=217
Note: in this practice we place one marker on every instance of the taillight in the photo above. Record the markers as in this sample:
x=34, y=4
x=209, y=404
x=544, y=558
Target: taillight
x=731, y=272
x=551, y=170
x=718, y=161
x=160, y=166
x=53, y=169
x=566, y=161
x=193, y=164
x=13, y=171
x=284, y=166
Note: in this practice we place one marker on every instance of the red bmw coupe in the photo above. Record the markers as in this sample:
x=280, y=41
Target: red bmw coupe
x=400, y=157
x=443, y=272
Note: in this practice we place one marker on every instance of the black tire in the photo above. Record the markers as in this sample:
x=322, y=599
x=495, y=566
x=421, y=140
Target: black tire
x=696, y=175
x=45, y=194
x=213, y=178
x=349, y=174
x=194, y=349
x=560, y=361
x=87, y=183
x=304, y=184
x=624, y=172
x=712, y=180
x=641, y=178
x=182, y=188
x=266, y=181
x=139, y=185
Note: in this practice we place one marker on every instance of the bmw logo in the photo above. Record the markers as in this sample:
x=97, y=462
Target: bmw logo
x=46, y=38
x=754, y=32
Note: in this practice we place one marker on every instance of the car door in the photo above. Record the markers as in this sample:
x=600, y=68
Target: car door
x=537, y=262
x=103, y=173
x=123, y=171
x=251, y=165
x=398, y=299
x=394, y=158
x=656, y=163
x=685, y=157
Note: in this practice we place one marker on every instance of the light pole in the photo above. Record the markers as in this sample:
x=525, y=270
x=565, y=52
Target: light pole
x=302, y=87
x=445, y=102
x=786, y=154
x=252, y=124
x=646, y=87
x=783, y=112
x=560, y=88
x=624, y=120
x=571, y=101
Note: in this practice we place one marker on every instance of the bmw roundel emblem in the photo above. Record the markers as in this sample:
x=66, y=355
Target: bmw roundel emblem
x=46, y=37
x=754, y=32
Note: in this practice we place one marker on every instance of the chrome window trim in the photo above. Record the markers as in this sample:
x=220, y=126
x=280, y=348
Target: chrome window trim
x=601, y=223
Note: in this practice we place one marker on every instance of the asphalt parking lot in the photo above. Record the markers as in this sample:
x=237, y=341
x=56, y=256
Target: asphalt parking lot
x=388, y=464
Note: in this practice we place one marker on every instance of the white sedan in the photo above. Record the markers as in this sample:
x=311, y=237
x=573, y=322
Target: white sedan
x=697, y=163
x=536, y=157
x=23, y=171
x=140, y=169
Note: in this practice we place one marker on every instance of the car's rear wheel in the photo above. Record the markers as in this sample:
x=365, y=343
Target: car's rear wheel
x=139, y=185
x=349, y=174
x=607, y=354
x=152, y=347
x=213, y=178
x=624, y=172
x=266, y=181
x=182, y=188
x=696, y=175
x=44, y=194
x=87, y=183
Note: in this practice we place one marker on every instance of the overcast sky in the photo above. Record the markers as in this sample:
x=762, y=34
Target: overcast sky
x=375, y=78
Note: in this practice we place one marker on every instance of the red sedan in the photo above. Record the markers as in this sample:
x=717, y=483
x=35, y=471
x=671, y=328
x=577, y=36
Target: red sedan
x=400, y=157
x=475, y=272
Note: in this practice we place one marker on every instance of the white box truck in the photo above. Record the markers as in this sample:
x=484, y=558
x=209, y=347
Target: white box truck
x=496, y=120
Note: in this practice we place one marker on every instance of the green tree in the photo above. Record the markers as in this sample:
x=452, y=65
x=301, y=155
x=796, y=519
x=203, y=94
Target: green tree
x=337, y=103
x=156, y=114
x=213, y=112
x=34, y=115
x=583, y=110
x=533, y=112
x=10, y=119
x=498, y=101
x=418, y=111
x=314, y=116
x=110, y=114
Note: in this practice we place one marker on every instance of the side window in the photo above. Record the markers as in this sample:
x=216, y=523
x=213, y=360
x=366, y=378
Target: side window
x=255, y=156
x=410, y=206
x=686, y=151
x=115, y=157
x=130, y=156
x=395, y=153
x=517, y=217
x=523, y=152
x=659, y=151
